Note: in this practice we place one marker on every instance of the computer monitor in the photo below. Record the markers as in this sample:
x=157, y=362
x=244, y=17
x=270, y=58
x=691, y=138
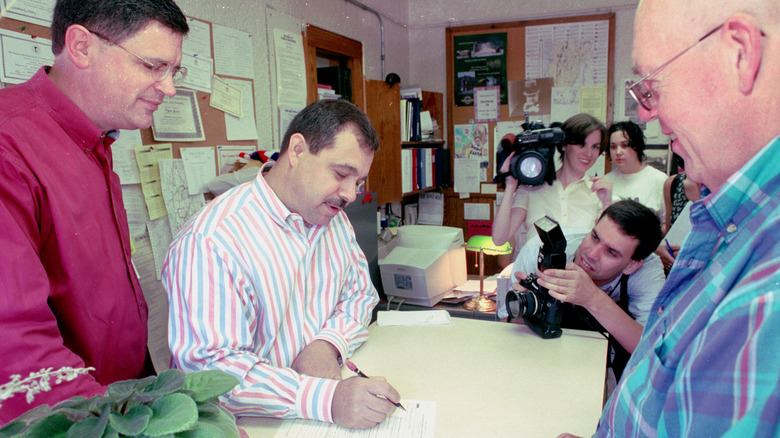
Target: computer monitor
x=427, y=262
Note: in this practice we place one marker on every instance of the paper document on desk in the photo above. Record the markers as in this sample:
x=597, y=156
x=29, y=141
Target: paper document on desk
x=412, y=317
x=417, y=421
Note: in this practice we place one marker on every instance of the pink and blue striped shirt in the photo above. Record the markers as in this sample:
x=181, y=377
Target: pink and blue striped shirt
x=250, y=285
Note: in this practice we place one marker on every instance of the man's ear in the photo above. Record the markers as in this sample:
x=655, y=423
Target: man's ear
x=632, y=266
x=79, y=44
x=296, y=148
x=743, y=37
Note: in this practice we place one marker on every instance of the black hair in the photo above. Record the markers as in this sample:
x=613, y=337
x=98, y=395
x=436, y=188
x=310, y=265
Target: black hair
x=578, y=127
x=117, y=20
x=638, y=221
x=320, y=122
x=634, y=135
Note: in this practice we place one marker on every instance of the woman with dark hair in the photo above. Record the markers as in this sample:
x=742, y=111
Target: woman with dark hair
x=631, y=177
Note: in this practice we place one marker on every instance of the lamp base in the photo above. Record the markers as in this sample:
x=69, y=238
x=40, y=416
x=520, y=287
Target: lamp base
x=480, y=303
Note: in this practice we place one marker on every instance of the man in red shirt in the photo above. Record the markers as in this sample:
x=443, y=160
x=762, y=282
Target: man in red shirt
x=69, y=296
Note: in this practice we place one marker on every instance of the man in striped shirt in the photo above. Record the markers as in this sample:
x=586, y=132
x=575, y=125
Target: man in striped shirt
x=268, y=282
x=708, y=362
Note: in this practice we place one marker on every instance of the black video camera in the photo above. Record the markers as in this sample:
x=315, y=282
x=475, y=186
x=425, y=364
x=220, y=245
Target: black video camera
x=534, y=148
x=541, y=312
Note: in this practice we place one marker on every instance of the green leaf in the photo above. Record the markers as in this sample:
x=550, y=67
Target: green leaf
x=53, y=426
x=110, y=432
x=12, y=429
x=203, y=430
x=208, y=384
x=89, y=428
x=172, y=413
x=210, y=407
x=168, y=382
x=126, y=387
x=223, y=420
x=132, y=423
x=35, y=414
x=76, y=402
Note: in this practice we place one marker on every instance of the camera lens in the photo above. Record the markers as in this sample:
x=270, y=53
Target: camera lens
x=530, y=167
x=520, y=304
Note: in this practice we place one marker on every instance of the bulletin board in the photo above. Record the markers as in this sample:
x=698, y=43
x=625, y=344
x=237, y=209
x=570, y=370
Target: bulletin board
x=499, y=56
x=213, y=119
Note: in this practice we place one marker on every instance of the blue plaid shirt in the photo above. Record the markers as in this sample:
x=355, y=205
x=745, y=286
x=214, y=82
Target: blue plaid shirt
x=708, y=363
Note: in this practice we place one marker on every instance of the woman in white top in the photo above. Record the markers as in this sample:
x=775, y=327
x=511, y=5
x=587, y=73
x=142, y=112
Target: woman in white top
x=572, y=199
x=631, y=177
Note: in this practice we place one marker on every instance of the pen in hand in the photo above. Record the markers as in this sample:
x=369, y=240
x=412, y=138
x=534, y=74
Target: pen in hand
x=669, y=247
x=355, y=370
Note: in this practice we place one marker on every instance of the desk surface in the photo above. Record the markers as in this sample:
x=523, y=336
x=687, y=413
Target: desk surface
x=489, y=379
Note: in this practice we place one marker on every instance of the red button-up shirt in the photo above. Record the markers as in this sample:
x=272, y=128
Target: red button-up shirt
x=68, y=292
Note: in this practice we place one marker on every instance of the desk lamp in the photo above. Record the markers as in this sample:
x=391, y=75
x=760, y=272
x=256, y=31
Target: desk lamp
x=484, y=245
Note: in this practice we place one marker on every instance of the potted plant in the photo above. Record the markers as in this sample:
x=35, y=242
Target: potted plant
x=172, y=404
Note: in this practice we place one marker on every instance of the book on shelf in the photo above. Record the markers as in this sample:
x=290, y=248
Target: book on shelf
x=338, y=78
x=423, y=168
x=411, y=92
x=406, y=170
x=410, y=120
x=326, y=92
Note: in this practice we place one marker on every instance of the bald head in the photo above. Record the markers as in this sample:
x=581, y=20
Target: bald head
x=717, y=99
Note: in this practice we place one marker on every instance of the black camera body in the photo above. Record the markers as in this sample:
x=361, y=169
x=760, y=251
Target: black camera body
x=534, y=159
x=541, y=312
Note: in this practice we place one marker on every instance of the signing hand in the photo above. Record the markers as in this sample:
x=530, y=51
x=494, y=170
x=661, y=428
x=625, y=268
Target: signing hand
x=318, y=359
x=356, y=404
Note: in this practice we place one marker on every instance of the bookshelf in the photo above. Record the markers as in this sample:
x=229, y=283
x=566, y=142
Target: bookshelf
x=383, y=109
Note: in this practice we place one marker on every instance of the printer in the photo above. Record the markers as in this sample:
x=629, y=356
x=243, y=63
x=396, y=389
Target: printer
x=427, y=262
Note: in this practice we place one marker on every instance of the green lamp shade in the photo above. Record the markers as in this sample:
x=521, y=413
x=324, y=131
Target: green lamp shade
x=485, y=243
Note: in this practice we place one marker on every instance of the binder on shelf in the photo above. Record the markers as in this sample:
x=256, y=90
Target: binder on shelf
x=406, y=170
x=404, y=122
x=415, y=133
x=420, y=169
x=415, y=184
x=428, y=153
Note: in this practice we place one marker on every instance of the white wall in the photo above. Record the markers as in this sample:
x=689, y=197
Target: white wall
x=414, y=34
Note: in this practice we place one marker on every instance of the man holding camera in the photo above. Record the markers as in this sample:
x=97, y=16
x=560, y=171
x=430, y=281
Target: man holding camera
x=613, y=274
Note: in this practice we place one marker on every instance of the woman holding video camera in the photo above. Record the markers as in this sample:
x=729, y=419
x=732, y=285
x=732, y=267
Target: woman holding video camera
x=573, y=199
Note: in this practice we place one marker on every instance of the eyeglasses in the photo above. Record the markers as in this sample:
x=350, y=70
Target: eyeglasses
x=158, y=71
x=644, y=96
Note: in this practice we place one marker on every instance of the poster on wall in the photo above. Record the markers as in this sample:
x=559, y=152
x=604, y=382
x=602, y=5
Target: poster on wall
x=480, y=61
x=531, y=96
x=471, y=141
